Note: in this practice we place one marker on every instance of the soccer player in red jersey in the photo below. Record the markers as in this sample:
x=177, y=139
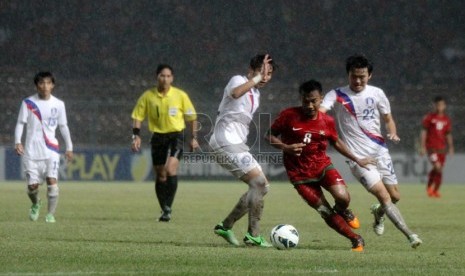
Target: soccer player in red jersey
x=303, y=133
x=436, y=140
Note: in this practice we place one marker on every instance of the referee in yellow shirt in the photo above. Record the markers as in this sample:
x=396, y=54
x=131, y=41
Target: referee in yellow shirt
x=167, y=109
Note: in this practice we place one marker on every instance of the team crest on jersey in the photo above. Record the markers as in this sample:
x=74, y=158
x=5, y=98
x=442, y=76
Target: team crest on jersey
x=322, y=133
x=370, y=102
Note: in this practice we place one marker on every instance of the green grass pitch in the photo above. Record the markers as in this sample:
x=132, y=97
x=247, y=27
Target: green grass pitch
x=111, y=229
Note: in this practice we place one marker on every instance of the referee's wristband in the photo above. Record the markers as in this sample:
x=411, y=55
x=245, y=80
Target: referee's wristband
x=136, y=131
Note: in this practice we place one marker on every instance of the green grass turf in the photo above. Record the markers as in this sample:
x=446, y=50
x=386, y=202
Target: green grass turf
x=111, y=229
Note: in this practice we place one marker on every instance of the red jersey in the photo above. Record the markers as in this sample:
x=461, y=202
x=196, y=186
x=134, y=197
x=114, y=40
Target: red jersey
x=294, y=127
x=437, y=127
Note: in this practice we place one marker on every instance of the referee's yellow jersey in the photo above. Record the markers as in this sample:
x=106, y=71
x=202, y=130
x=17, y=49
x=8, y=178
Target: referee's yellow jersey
x=165, y=113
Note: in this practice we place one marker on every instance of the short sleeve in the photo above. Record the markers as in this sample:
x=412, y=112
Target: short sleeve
x=426, y=121
x=140, y=111
x=188, y=108
x=22, y=116
x=329, y=100
x=279, y=123
x=449, y=126
x=62, y=120
x=384, y=106
x=331, y=129
x=233, y=83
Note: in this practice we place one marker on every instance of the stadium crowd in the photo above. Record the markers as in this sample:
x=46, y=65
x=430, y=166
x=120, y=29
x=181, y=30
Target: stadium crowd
x=105, y=54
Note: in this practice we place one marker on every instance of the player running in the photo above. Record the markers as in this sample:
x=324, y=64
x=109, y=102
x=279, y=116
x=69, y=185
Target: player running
x=303, y=133
x=43, y=113
x=436, y=140
x=240, y=101
x=358, y=109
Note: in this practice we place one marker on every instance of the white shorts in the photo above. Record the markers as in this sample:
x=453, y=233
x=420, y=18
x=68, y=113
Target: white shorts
x=238, y=164
x=38, y=170
x=383, y=171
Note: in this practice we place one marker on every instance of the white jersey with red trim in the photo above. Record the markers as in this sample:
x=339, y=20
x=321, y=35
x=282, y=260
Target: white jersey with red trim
x=42, y=118
x=358, y=118
x=234, y=115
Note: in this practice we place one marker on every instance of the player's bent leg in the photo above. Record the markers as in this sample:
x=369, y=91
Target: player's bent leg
x=393, y=213
x=394, y=193
x=32, y=192
x=258, y=188
x=335, y=185
x=314, y=197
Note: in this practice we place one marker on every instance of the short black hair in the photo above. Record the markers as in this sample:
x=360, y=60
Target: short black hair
x=160, y=68
x=310, y=86
x=257, y=61
x=358, y=61
x=439, y=99
x=43, y=75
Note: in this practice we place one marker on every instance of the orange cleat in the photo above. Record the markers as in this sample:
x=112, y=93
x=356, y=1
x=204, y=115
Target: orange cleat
x=354, y=224
x=350, y=218
x=358, y=244
x=430, y=191
x=436, y=194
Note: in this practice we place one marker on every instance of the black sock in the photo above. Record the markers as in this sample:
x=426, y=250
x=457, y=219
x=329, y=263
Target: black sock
x=161, y=191
x=172, y=187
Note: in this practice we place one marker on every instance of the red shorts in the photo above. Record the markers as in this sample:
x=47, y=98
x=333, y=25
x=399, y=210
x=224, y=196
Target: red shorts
x=437, y=158
x=312, y=193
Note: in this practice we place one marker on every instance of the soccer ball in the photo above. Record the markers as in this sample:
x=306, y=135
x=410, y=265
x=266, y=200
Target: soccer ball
x=284, y=236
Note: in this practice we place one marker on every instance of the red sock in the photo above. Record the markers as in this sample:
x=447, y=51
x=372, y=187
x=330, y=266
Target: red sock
x=338, y=223
x=431, y=178
x=438, y=181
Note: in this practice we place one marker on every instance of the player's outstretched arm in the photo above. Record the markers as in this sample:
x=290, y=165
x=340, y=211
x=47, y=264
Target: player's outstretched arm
x=391, y=128
x=239, y=91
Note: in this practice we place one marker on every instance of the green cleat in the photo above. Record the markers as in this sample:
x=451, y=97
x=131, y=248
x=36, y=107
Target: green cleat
x=414, y=241
x=34, y=211
x=378, y=225
x=227, y=234
x=50, y=218
x=256, y=241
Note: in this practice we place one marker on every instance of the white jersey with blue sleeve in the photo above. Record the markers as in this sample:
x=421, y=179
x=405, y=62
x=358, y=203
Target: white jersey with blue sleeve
x=358, y=118
x=42, y=118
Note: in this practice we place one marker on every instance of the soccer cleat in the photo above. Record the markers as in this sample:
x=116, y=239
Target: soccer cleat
x=350, y=218
x=34, y=211
x=165, y=217
x=226, y=234
x=378, y=225
x=259, y=241
x=50, y=218
x=430, y=192
x=436, y=194
x=358, y=244
x=414, y=241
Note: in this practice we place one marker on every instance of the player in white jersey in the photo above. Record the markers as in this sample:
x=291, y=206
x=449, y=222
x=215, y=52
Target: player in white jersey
x=359, y=108
x=42, y=112
x=239, y=103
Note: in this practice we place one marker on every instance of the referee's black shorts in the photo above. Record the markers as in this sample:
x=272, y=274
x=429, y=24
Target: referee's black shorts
x=166, y=145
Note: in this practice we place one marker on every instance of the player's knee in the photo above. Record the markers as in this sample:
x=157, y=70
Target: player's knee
x=259, y=183
x=324, y=211
x=33, y=189
x=52, y=190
